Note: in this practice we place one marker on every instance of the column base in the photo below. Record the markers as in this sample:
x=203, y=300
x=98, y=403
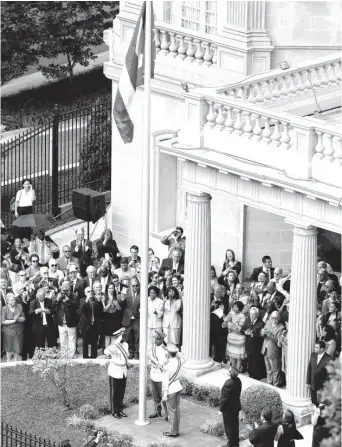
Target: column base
x=300, y=407
x=193, y=368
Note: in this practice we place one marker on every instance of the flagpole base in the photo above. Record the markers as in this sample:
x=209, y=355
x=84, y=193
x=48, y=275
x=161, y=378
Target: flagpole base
x=140, y=423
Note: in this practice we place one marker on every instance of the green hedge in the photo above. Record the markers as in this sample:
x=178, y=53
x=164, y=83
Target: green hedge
x=258, y=397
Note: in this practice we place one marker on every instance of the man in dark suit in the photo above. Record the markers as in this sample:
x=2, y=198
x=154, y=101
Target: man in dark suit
x=317, y=373
x=82, y=250
x=43, y=326
x=175, y=264
x=253, y=344
x=230, y=407
x=76, y=284
x=66, y=318
x=131, y=318
x=264, y=434
x=134, y=260
x=271, y=350
x=218, y=335
x=91, y=277
x=66, y=259
x=266, y=267
x=4, y=290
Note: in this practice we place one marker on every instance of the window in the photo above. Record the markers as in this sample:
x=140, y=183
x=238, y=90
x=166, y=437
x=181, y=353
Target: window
x=168, y=12
x=191, y=15
x=196, y=15
x=210, y=17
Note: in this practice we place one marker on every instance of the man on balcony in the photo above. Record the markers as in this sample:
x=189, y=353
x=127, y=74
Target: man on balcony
x=174, y=240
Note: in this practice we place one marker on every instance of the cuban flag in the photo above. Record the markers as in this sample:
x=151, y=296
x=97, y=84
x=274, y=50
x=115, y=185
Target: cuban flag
x=132, y=76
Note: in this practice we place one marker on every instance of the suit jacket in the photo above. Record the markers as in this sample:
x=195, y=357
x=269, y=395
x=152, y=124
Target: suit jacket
x=263, y=436
x=256, y=271
x=317, y=374
x=131, y=309
x=62, y=262
x=167, y=264
x=5, y=275
x=230, y=396
x=78, y=288
x=84, y=256
x=4, y=293
x=37, y=319
x=173, y=314
x=86, y=282
x=85, y=323
x=69, y=310
x=270, y=346
x=254, y=341
x=111, y=248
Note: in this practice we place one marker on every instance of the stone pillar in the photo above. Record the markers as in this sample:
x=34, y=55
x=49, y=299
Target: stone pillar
x=196, y=301
x=302, y=319
x=246, y=34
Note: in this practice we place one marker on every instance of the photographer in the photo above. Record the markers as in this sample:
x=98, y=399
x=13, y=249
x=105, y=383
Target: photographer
x=174, y=240
x=90, y=323
x=66, y=318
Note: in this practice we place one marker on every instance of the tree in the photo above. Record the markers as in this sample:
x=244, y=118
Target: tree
x=18, y=39
x=332, y=412
x=72, y=29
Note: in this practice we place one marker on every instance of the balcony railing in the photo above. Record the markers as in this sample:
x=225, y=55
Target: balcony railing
x=278, y=84
x=188, y=46
x=302, y=147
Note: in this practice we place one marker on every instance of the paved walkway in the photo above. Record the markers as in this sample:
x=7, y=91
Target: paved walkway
x=34, y=80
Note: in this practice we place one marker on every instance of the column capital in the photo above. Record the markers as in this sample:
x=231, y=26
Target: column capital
x=301, y=227
x=198, y=197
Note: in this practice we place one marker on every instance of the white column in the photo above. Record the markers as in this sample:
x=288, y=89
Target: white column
x=196, y=301
x=302, y=315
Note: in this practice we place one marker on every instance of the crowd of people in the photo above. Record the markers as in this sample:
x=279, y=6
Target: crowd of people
x=54, y=295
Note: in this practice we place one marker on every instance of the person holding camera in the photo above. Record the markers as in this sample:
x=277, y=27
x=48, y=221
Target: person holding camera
x=66, y=318
x=82, y=249
x=174, y=240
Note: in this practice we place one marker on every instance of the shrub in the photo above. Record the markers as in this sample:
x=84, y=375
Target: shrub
x=257, y=397
x=213, y=427
x=116, y=440
x=103, y=407
x=87, y=411
x=199, y=392
x=163, y=444
x=332, y=395
x=74, y=421
x=214, y=397
x=188, y=386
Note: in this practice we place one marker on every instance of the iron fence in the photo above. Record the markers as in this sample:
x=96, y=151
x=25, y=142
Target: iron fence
x=71, y=151
x=12, y=437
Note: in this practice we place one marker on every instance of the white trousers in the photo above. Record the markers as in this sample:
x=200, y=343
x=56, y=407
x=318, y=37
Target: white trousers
x=67, y=339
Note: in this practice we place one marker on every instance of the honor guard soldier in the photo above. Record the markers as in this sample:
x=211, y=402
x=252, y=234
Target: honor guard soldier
x=171, y=388
x=157, y=356
x=117, y=371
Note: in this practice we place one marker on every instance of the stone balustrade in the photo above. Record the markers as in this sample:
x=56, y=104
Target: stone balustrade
x=329, y=144
x=279, y=84
x=193, y=47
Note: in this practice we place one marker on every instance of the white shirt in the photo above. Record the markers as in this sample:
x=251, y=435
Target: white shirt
x=175, y=265
x=319, y=357
x=155, y=321
x=43, y=313
x=117, y=367
x=25, y=198
x=104, y=281
x=157, y=354
x=128, y=274
x=169, y=370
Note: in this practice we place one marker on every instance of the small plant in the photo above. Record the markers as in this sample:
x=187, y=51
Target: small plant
x=87, y=411
x=188, y=386
x=257, y=397
x=200, y=393
x=213, y=427
x=163, y=444
x=214, y=397
x=74, y=421
x=103, y=408
x=51, y=365
x=116, y=440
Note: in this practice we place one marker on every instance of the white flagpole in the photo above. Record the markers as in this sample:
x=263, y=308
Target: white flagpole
x=145, y=224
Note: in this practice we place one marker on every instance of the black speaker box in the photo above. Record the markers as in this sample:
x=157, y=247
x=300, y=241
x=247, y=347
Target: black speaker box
x=88, y=205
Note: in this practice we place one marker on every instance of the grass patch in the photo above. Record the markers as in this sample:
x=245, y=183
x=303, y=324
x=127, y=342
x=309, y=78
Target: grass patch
x=30, y=404
x=35, y=106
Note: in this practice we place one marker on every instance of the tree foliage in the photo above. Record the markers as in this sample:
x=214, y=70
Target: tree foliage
x=72, y=29
x=18, y=39
x=332, y=412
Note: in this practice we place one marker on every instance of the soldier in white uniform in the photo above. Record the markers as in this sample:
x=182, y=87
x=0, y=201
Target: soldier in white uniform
x=157, y=355
x=171, y=388
x=117, y=371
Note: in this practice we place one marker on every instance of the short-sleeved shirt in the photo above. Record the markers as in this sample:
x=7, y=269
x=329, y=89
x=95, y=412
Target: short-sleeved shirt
x=25, y=198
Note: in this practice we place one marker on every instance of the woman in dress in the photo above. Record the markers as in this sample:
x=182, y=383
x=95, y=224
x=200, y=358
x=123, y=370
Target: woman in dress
x=172, y=319
x=235, y=321
x=287, y=432
x=112, y=308
x=230, y=263
x=155, y=312
x=12, y=327
x=329, y=337
x=213, y=279
x=24, y=199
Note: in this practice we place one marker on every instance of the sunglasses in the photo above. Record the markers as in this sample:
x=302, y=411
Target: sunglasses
x=66, y=251
x=22, y=274
x=53, y=265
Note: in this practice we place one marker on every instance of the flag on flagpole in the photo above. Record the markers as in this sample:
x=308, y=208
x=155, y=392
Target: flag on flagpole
x=132, y=76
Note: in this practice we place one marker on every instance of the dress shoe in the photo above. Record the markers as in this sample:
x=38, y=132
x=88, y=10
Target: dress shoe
x=170, y=435
x=166, y=418
x=122, y=414
x=154, y=415
x=131, y=356
x=117, y=416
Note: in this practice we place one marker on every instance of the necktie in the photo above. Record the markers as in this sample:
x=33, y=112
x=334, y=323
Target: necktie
x=134, y=296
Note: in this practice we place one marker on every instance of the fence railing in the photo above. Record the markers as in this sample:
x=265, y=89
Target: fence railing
x=12, y=437
x=71, y=151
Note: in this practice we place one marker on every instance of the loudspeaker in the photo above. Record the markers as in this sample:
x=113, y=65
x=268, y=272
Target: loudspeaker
x=88, y=205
